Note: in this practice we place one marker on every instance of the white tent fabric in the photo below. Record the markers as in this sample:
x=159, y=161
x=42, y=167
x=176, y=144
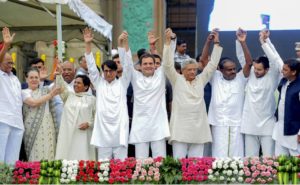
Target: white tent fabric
x=26, y=14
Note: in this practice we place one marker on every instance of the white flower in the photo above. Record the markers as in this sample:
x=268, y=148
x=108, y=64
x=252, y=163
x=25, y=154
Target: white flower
x=233, y=166
x=73, y=178
x=63, y=175
x=214, y=166
x=241, y=172
x=67, y=181
x=75, y=171
x=240, y=179
x=214, y=179
x=105, y=178
x=101, y=179
x=69, y=177
x=222, y=178
x=233, y=179
x=69, y=171
x=100, y=175
x=235, y=172
x=241, y=165
x=64, y=163
x=229, y=172
x=217, y=174
x=210, y=171
x=219, y=165
x=105, y=173
x=210, y=177
x=75, y=162
x=64, y=169
x=62, y=181
x=225, y=166
x=106, y=168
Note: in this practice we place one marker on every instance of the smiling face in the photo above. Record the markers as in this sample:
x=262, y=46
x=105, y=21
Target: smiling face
x=7, y=64
x=190, y=71
x=33, y=79
x=148, y=66
x=79, y=85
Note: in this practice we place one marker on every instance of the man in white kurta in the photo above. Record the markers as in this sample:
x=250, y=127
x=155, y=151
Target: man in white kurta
x=189, y=125
x=259, y=109
x=226, y=106
x=111, y=124
x=11, y=119
x=150, y=125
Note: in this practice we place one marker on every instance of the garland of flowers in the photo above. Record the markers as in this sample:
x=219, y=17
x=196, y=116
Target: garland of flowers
x=260, y=170
x=26, y=172
x=167, y=170
x=227, y=170
x=147, y=170
x=69, y=171
x=196, y=169
x=121, y=171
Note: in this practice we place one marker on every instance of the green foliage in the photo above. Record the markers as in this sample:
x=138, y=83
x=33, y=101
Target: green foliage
x=6, y=173
x=170, y=171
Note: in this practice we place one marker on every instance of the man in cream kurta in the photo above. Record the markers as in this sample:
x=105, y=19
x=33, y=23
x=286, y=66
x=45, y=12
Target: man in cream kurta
x=259, y=109
x=150, y=125
x=111, y=124
x=189, y=125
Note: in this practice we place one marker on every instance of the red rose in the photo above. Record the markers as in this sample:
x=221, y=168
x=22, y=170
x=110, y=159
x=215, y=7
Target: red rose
x=111, y=181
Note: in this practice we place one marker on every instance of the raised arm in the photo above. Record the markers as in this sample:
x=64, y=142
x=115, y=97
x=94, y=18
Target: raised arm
x=241, y=37
x=59, y=81
x=275, y=60
x=125, y=58
x=39, y=101
x=168, y=58
x=94, y=74
x=211, y=67
x=204, y=58
x=7, y=40
x=152, y=42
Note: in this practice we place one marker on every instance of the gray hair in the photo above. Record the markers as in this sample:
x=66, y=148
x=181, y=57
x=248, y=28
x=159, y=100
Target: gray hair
x=187, y=62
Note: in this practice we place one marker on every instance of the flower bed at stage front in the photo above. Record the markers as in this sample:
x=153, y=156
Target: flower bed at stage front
x=254, y=170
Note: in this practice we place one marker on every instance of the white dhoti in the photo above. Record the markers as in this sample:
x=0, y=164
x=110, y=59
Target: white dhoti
x=227, y=141
x=182, y=150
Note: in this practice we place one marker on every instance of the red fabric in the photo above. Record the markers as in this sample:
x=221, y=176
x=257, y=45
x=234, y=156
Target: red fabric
x=1, y=45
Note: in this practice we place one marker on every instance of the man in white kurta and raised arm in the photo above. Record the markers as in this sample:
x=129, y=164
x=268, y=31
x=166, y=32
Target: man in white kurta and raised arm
x=226, y=106
x=189, y=125
x=111, y=124
x=259, y=109
x=150, y=126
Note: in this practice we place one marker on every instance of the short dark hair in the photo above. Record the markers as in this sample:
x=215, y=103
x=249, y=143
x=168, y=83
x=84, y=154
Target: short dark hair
x=31, y=69
x=110, y=64
x=293, y=64
x=156, y=56
x=180, y=41
x=115, y=56
x=146, y=55
x=223, y=60
x=264, y=61
x=80, y=58
x=141, y=52
x=177, y=66
x=85, y=80
x=36, y=61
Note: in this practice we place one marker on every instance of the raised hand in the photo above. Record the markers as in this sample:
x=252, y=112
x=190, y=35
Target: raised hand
x=241, y=35
x=88, y=35
x=7, y=37
x=151, y=38
x=55, y=91
x=123, y=39
x=215, y=35
x=168, y=36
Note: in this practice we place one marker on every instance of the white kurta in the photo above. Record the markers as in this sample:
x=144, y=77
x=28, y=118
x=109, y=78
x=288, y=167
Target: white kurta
x=150, y=120
x=111, y=124
x=227, y=100
x=73, y=143
x=189, y=122
x=290, y=142
x=259, y=108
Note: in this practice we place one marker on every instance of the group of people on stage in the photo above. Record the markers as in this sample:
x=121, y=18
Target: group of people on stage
x=84, y=114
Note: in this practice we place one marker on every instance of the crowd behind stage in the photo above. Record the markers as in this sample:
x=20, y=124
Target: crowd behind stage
x=167, y=104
